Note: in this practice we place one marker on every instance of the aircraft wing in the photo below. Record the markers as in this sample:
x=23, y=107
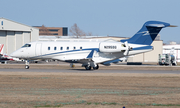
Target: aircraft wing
x=78, y=56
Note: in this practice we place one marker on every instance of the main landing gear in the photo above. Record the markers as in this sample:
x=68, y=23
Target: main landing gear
x=95, y=67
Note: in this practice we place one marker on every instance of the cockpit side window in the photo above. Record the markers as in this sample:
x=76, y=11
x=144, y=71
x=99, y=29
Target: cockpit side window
x=26, y=45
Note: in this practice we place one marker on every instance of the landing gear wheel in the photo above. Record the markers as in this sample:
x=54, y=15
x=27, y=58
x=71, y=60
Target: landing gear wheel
x=88, y=67
x=26, y=67
x=96, y=67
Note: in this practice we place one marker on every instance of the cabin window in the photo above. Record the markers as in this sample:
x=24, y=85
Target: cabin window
x=74, y=48
x=27, y=45
x=67, y=48
x=1, y=22
x=61, y=48
x=80, y=48
x=48, y=48
x=54, y=48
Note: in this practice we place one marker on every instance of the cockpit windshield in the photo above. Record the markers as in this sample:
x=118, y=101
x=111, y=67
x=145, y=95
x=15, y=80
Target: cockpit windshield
x=26, y=45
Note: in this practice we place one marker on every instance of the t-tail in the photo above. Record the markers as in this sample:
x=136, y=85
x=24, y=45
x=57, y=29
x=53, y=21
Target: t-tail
x=147, y=33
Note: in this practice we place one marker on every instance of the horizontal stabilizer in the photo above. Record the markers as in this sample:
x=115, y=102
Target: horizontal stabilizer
x=173, y=26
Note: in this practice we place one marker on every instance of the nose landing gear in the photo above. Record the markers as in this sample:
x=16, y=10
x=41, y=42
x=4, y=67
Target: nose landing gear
x=26, y=64
x=27, y=67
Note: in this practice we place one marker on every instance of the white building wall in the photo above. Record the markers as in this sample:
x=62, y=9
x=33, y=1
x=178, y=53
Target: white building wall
x=3, y=40
x=14, y=35
x=26, y=37
x=10, y=42
x=167, y=49
x=18, y=39
x=153, y=56
x=34, y=34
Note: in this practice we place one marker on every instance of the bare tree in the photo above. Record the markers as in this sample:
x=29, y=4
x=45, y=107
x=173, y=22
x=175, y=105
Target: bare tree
x=76, y=31
x=89, y=34
x=44, y=31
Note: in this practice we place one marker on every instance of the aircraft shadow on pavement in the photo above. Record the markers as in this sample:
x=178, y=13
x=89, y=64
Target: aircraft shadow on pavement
x=82, y=70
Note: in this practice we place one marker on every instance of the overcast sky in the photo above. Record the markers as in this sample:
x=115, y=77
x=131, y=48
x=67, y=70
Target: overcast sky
x=101, y=17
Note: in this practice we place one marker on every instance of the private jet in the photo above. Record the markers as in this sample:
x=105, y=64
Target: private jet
x=91, y=53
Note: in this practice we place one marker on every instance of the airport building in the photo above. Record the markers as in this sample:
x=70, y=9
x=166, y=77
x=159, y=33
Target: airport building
x=14, y=35
x=52, y=31
x=172, y=49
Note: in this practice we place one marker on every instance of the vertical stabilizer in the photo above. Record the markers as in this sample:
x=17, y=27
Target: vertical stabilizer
x=1, y=48
x=147, y=33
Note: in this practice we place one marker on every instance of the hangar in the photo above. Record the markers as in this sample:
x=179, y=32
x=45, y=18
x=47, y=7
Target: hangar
x=14, y=35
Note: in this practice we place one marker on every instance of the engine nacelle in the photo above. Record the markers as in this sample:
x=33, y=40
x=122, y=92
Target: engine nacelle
x=109, y=47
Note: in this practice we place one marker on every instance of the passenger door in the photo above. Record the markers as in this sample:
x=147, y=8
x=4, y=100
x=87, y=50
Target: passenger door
x=38, y=49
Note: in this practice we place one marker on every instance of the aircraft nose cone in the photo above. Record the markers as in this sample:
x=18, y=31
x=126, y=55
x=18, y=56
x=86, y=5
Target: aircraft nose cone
x=13, y=54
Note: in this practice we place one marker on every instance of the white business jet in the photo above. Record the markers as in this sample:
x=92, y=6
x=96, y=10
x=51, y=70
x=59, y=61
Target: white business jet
x=92, y=53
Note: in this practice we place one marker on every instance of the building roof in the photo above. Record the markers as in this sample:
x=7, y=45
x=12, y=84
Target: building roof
x=6, y=24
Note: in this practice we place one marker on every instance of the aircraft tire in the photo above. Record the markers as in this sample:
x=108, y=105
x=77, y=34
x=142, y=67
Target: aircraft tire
x=26, y=67
x=96, y=67
x=88, y=67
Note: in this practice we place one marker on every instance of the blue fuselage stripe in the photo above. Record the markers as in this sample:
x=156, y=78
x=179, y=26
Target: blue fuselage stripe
x=97, y=49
